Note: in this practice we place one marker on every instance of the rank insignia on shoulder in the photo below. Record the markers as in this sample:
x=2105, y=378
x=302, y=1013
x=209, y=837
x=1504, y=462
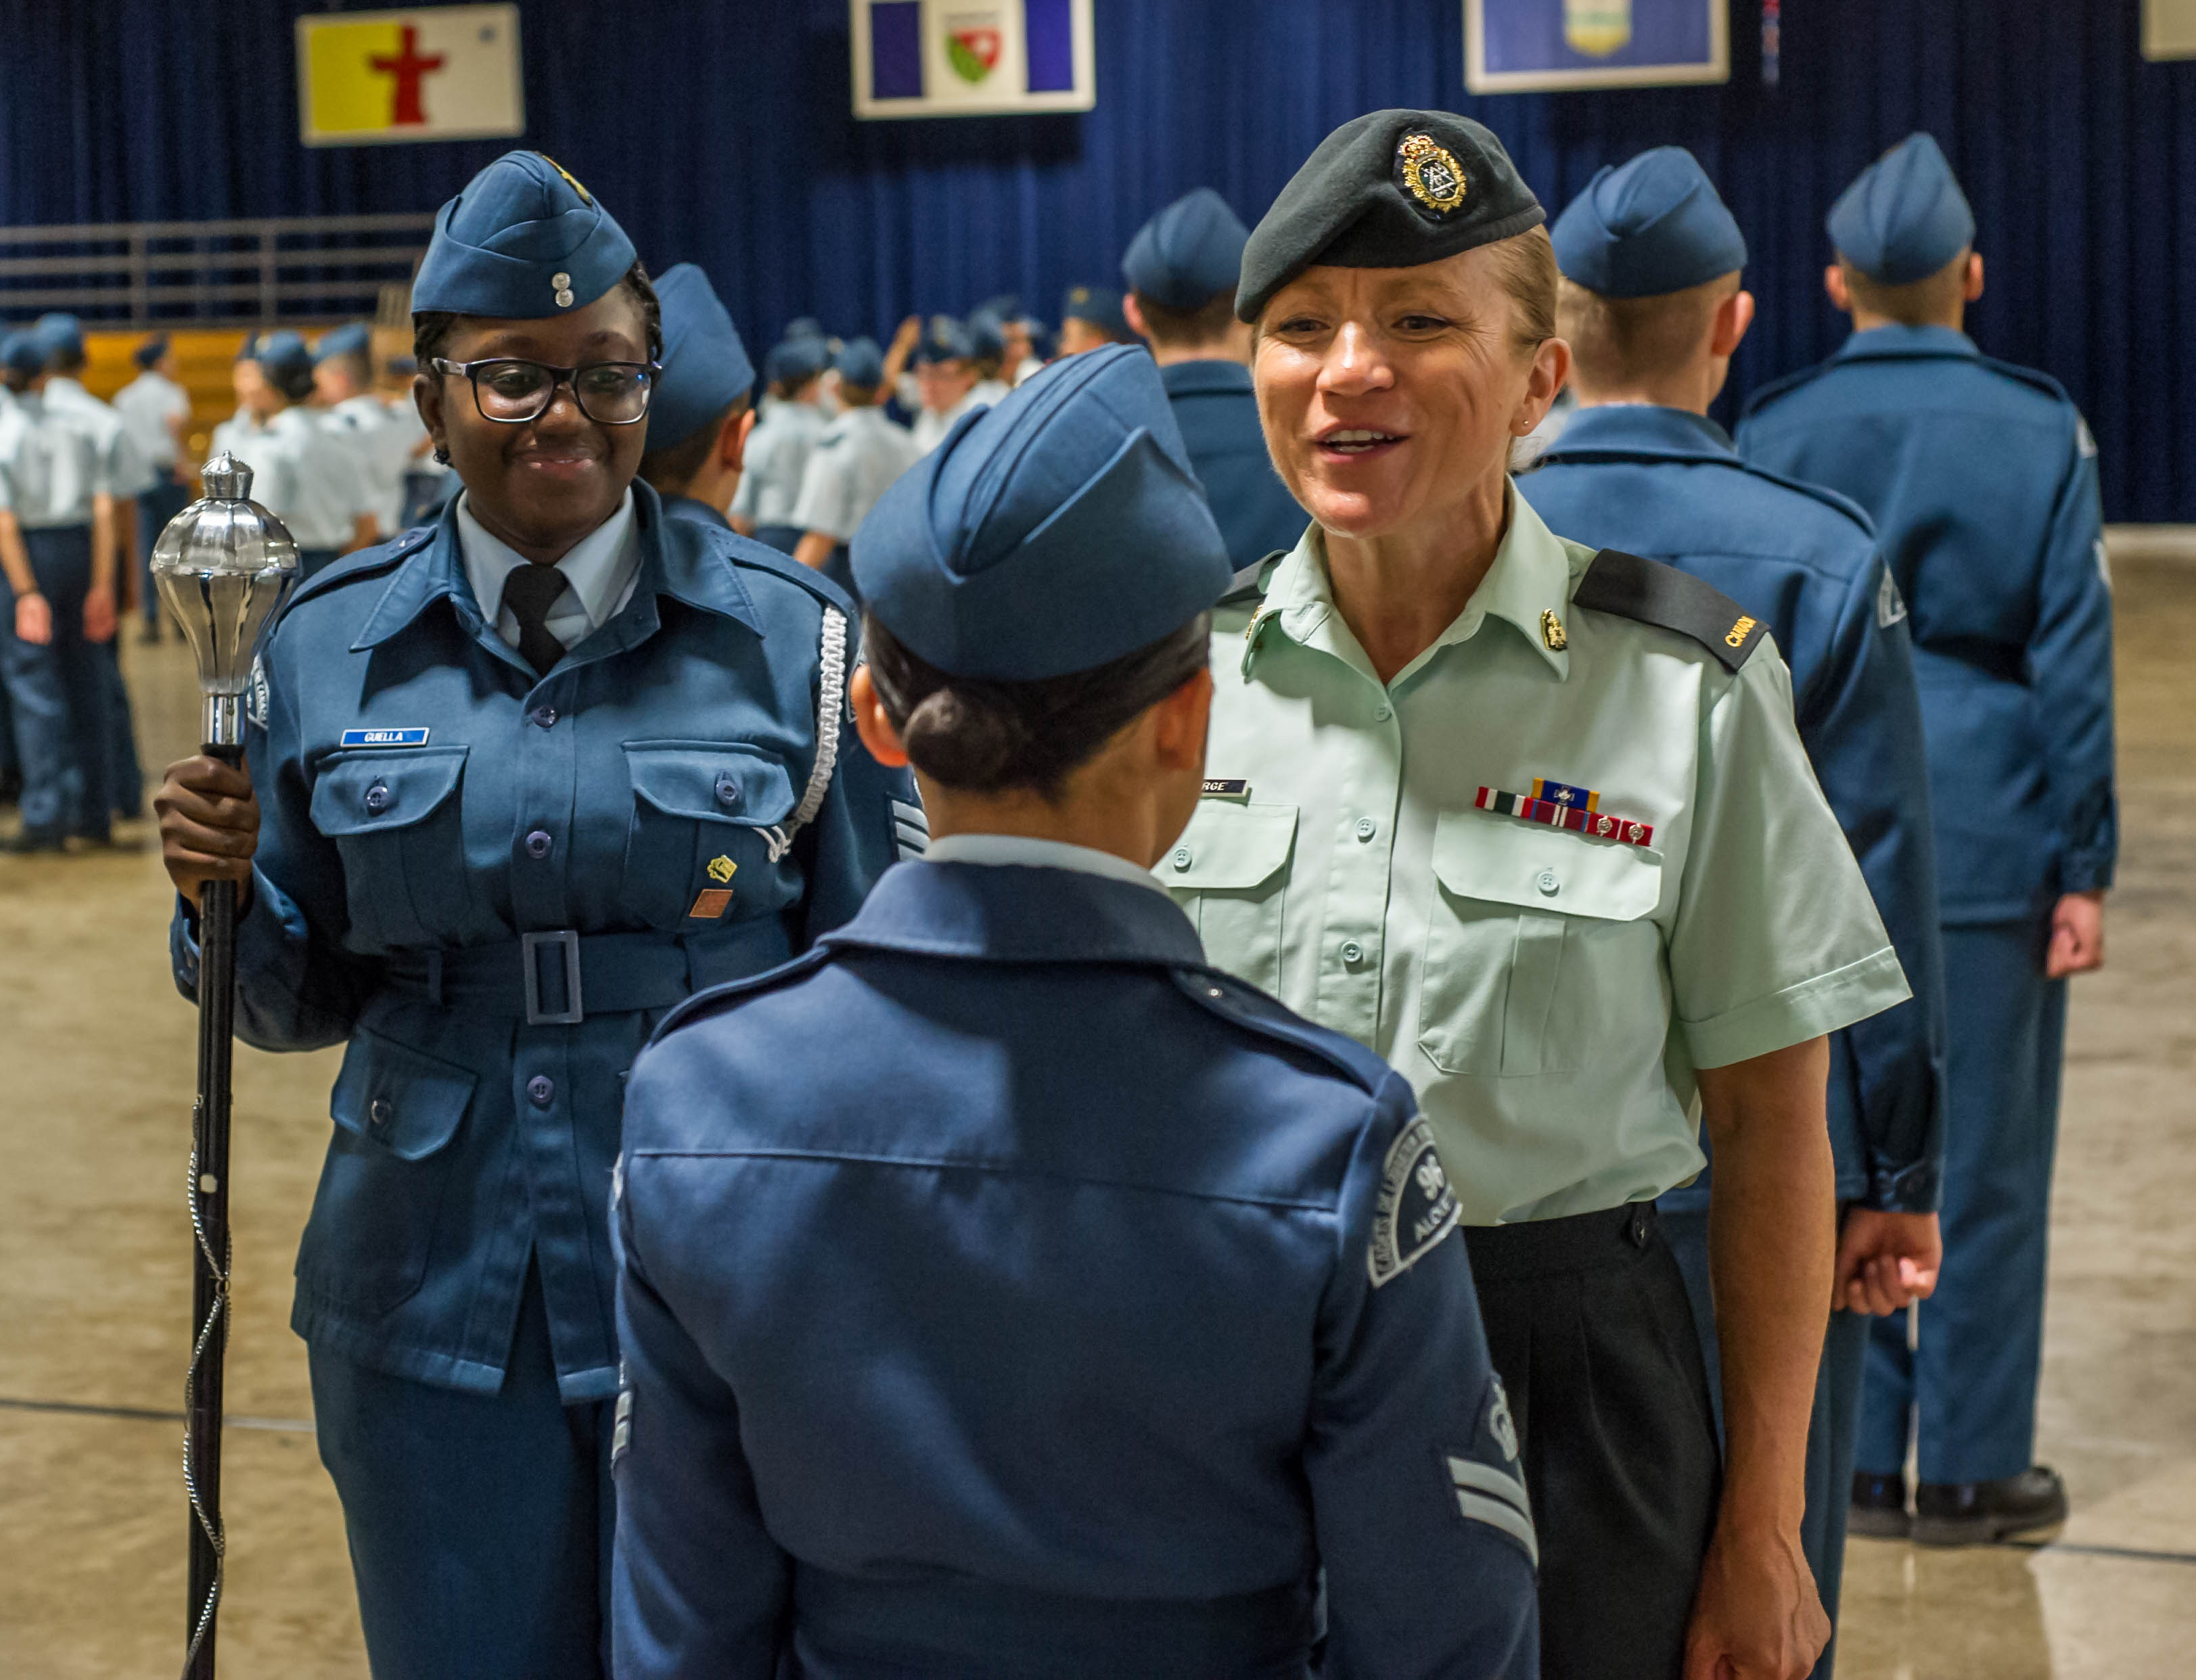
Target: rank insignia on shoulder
x=1552, y=631
x=1563, y=806
x=1225, y=787
x=1416, y=1210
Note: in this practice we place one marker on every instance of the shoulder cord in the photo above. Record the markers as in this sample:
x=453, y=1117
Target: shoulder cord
x=830, y=712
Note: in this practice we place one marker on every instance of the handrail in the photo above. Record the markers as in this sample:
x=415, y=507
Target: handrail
x=144, y=286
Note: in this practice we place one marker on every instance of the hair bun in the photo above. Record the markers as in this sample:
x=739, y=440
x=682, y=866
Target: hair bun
x=955, y=740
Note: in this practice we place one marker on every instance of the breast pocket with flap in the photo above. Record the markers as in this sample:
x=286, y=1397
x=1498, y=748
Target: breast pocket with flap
x=1229, y=871
x=1526, y=923
x=702, y=815
x=397, y=821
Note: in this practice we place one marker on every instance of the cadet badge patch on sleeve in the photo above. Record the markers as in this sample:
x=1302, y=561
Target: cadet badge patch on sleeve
x=1890, y=604
x=255, y=699
x=1416, y=1210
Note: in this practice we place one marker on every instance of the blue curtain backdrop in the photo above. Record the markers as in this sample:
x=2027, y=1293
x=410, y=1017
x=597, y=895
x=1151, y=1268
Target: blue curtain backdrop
x=719, y=132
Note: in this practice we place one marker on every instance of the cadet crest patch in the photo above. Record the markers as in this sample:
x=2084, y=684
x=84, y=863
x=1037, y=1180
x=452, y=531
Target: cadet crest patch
x=1499, y=1424
x=1417, y=1208
x=255, y=698
x=1430, y=173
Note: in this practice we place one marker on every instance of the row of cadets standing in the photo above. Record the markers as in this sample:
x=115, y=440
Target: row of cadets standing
x=384, y=436
x=128, y=475
x=58, y=553
x=156, y=411
x=1652, y=308
x=529, y=777
x=1982, y=480
x=307, y=469
x=791, y=420
x=1491, y=803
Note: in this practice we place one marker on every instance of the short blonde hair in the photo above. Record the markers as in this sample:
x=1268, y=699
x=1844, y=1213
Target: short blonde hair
x=1526, y=265
x=1618, y=341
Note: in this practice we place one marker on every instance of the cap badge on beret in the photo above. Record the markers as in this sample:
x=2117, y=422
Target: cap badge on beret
x=1431, y=173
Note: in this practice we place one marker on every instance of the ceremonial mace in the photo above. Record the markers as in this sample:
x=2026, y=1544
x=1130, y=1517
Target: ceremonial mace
x=223, y=565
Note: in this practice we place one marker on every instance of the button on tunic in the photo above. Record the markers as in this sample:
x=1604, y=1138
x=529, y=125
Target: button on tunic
x=1549, y=994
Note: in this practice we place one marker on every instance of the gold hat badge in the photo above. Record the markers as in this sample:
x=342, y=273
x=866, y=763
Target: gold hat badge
x=1432, y=173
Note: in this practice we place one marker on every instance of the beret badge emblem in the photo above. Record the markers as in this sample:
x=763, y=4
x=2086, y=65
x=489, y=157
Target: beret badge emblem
x=1431, y=173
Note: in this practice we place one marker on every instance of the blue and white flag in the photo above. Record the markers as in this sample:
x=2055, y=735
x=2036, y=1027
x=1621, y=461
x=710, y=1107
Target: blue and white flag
x=966, y=58
x=1521, y=46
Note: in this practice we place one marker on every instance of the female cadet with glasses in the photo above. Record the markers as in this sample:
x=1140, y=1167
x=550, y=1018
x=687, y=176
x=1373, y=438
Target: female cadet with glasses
x=1078, y=1305
x=518, y=782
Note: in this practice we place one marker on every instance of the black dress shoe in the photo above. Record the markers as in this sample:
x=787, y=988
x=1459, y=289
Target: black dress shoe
x=28, y=840
x=1879, y=1507
x=2030, y=1506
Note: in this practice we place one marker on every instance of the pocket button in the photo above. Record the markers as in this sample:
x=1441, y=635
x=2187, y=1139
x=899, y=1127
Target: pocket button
x=1367, y=828
x=1352, y=952
x=377, y=797
x=728, y=791
x=379, y=1113
x=540, y=1090
x=1547, y=883
x=537, y=844
x=1181, y=859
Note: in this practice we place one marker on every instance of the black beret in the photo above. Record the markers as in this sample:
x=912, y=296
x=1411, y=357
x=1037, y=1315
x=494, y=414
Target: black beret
x=1389, y=190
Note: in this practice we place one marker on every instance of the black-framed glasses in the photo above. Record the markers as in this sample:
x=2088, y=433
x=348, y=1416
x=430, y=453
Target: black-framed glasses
x=513, y=392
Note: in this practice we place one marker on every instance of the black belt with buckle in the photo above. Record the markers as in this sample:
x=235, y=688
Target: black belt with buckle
x=560, y=976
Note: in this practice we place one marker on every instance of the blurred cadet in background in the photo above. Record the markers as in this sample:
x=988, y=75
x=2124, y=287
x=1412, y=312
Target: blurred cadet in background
x=156, y=412
x=305, y=472
x=790, y=422
x=1090, y=317
x=700, y=418
x=854, y=462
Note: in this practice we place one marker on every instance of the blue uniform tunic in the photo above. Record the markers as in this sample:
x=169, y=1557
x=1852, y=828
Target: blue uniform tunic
x=1218, y=415
x=1051, y=1321
x=1982, y=481
x=686, y=507
x=427, y=800
x=1667, y=484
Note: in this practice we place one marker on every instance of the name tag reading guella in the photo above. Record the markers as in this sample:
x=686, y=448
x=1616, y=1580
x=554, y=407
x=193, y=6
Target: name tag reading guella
x=384, y=737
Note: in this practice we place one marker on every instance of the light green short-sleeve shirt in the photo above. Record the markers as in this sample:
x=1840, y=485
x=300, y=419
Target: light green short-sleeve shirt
x=1547, y=993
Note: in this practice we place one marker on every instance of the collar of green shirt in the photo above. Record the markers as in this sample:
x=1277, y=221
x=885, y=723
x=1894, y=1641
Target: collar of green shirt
x=1528, y=588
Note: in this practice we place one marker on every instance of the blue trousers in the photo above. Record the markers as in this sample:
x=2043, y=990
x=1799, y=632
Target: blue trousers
x=480, y=1525
x=125, y=775
x=155, y=508
x=1969, y=1390
x=57, y=693
x=1830, y=1430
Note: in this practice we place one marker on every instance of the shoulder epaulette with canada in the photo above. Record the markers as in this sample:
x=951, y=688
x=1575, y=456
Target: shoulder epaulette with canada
x=1248, y=586
x=1629, y=587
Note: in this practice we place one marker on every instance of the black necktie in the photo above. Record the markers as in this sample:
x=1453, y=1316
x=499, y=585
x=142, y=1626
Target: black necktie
x=529, y=592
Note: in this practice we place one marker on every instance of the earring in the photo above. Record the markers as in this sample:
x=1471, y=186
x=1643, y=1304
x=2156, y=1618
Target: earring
x=442, y=455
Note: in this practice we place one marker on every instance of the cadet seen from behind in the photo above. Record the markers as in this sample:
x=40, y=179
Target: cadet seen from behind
x=1077, y=1309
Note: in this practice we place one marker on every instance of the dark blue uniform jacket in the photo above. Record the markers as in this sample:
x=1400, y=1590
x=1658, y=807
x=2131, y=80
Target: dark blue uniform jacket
x=1982, y=481
x=1667, y=484
x=998, y=1300
x=1218, y=415
x=426, y=799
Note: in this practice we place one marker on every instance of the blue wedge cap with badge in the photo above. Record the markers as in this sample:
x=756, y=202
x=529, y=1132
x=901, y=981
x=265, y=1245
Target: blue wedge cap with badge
x=1189, y=252
x=1652, y=225
x=353, y=337
x=1100, y=305
x=61, y=334
x=21, y=353
x=523, y=241
x=150, y=350
x=1904, y=217
x=706, y=368
x=944, y=339
x=1052, y=534
x=860, y=364
x=1389, y=190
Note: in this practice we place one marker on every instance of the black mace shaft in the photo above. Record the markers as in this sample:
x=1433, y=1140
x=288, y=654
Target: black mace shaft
x=210, y=1300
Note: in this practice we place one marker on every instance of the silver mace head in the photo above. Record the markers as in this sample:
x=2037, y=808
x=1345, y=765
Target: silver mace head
x=223, y=566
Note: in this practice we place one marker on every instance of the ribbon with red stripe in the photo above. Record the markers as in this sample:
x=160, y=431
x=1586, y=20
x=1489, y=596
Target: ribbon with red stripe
x=1598, y=824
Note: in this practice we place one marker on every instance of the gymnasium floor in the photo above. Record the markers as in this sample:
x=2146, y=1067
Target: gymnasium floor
x=96, y=1086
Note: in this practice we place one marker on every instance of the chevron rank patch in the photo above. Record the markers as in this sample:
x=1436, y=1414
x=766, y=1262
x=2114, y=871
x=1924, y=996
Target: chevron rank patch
x=1417, y=1209
x=1563, y=806
x=1496, y=1496
x=910, y=830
